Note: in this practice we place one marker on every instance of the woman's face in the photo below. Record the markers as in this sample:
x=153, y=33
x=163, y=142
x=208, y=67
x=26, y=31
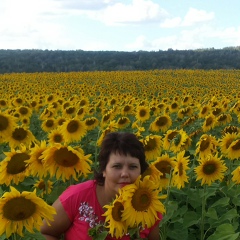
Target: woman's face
x=120, y=171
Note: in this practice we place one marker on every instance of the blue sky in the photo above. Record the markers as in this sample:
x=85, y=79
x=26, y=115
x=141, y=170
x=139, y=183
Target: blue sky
x=120, y=25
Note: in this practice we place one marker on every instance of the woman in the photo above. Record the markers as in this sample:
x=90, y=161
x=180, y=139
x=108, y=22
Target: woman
x=80, y=207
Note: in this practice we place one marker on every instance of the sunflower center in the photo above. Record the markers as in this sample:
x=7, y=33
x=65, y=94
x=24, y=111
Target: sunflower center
x=236, y=146
x=57, y=138
x=117, y=211
x=70, y=110
x=126, y=108
x=3, y=123
x=23, y=110
x=80, y=111
x=161, y=121
x=49, y=123
x=150, y=145
x=209, y=121
x=172, y=135
x=122, y=121
x=41, y=185
x=204, y=110
x=17, y=164
x=65, y=158
x=180, y=169
x=164, y=167
x=19, y=134
x=209, y=168
x=18, y=209
x=73, y=126
x=142, y=113
x=141, y=199
x=204, y=145
x=90, y=122
x=222, y=118
x=174, y=105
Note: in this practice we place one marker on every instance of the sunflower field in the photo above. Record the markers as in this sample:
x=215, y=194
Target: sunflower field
x=52, y=125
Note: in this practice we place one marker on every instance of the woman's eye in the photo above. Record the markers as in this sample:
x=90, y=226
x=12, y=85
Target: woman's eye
x=133, y=167
x=117, y=166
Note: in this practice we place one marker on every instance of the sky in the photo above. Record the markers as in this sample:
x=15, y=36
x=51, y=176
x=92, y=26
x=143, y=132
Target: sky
x=119, y=25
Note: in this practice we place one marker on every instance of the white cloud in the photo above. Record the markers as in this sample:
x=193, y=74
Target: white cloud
x=139, y=11
x=192, y=17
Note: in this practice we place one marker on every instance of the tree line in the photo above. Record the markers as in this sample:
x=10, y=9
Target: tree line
x=15, y=61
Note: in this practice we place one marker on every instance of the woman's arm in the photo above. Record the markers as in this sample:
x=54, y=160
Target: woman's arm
x=155, y=233
x=58, y=226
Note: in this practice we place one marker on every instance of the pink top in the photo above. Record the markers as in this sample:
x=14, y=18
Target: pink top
x=84, y=211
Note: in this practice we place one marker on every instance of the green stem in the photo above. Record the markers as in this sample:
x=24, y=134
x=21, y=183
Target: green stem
x=203, y=212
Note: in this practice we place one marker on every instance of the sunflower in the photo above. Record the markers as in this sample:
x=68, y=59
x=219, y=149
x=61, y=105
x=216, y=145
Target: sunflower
x=7, y=124
x=48, y=124
x=21, y=135
x=59, y=121
x=69, y=112
x=179, y=177
x=25, y=112
x=164, y=164
x=204, y=111
x=209, y=122
x=106, y=118
x=73, y=130
x=141, y=203
x=3, y=103
x=211, y=169
x=161, y=123
x=45, y=187
x=236, y=175
x=91, y=123
x=65, y=162
x=112, y=127
x=35, y=162
x=142, y=113
x=231, y=129
x=123, y=122
x=117, y=227
x=23, y=210
x=127, y=109
x=55, y=136
x=13, y=169
x=223, y=119
x=176, y=140
x=226, y=141
x=152, y=146
x=183, y=112
x=81, y=112
x=153, y=172
x=233, y=151
x=206, y=145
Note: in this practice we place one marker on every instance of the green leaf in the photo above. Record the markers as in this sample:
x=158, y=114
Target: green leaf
x=224, y=232
x=189, y=219
x=221, y=202
x=101, y=236
x=212, y=213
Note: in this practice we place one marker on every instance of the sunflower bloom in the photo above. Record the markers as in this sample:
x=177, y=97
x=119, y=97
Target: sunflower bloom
x=176, y=140
x=164, y=164
x=64, y=162
x=117, y=227
x=13, y=169
x=123, y=122
x=35, y=164
x=211, y=169
x=23, y=210
x=73, y=130
x=233, y=152
x=44, y=186
x=161, y=123
x=179, y=177
x=21, y=135
x=236, y=175
x=142, y=113
x=226, y=141
x=209, y=123
x=91, y=123
x=55, y=136
x=206, y=145
x=7, y=124
x=141, y=203
x=152, y=146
